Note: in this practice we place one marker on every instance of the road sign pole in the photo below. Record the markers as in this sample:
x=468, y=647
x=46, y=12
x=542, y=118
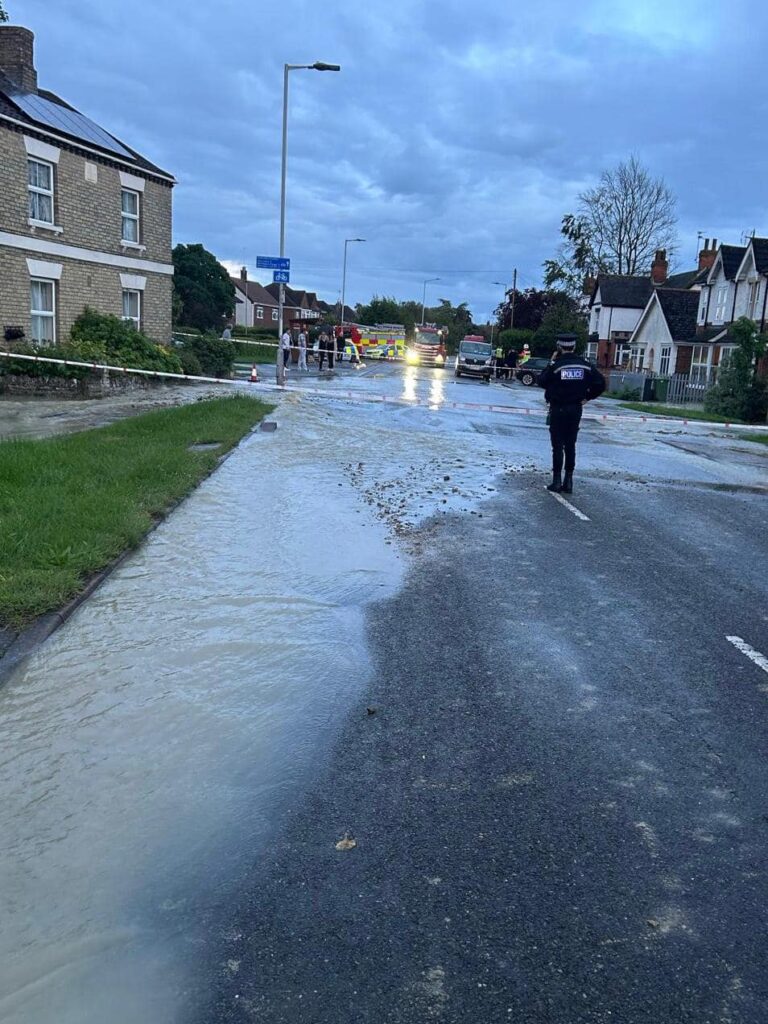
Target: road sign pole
x=281, y=299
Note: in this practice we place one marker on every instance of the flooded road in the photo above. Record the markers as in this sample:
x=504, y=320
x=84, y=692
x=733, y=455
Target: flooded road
x=148, y=748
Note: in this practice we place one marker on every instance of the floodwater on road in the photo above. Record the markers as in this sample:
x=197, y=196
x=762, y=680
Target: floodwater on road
x=149, y=744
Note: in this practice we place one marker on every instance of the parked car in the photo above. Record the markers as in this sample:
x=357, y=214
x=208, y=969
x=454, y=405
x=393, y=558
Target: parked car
x=529, y=372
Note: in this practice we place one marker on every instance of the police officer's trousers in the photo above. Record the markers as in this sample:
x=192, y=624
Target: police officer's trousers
x=564, y=423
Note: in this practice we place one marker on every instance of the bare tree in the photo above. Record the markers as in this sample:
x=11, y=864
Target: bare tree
x=3, y=15
x=619, y=226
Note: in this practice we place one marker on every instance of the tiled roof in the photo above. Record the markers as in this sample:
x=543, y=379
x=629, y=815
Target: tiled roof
x=623, y=290
x=731, y=255
x=11, y=109
x=687, y=279
x=679, y=307
x=255, y=292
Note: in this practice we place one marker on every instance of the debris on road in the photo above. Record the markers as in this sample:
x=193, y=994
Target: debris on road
x=346, y=842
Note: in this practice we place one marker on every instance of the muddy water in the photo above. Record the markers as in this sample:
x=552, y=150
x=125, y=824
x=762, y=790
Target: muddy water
x=146, y=748
x=145, y=745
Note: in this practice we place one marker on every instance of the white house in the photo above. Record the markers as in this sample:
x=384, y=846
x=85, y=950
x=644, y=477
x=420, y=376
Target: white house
x=751, y=287
x=717, y=299
x=254, y=306
x=665, y=336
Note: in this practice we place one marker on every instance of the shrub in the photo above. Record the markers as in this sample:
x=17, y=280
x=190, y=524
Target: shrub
x=214, y=355
x=739, y=393
x=190, y=363
x=101, y=337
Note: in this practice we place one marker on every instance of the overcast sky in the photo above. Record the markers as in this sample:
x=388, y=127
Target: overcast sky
x=453, y=140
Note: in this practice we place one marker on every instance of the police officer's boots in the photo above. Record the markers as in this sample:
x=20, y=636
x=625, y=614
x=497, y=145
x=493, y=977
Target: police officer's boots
x=567, y=487
x=557, y=482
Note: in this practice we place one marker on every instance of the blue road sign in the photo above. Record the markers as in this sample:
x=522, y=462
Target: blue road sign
x=273, y=262
x=281, y=277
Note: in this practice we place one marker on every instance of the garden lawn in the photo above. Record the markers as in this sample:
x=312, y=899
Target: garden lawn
x=651, y=409
x=70, y=506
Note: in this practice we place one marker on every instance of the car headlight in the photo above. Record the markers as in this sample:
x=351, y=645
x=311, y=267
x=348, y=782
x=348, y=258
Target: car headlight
x=488, y=362
x=439, y=358
x=411, y=357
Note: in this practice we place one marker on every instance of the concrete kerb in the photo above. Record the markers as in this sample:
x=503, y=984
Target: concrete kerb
x=31, y=638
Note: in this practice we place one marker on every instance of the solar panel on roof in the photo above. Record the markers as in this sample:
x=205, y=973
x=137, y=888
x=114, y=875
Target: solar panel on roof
x=65, y=120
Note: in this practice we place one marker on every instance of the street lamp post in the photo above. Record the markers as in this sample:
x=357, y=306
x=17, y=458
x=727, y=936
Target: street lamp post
x=317, y=66
x=430, y=280
x=344, y=278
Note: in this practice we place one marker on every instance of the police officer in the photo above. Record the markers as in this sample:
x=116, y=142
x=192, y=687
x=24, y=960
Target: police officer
x=569, y=382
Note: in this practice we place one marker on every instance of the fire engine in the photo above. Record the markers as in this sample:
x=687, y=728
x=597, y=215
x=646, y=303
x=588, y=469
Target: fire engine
x=427, y=347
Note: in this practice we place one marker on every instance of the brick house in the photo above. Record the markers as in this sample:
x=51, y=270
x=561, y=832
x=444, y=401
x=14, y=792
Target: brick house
x=254, y=306
x=84, y=219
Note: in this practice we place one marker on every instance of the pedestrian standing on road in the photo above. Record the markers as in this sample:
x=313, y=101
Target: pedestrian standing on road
x=303, y=352
x=498, y=359
x=339, y=347
x=510, y=363
x=569, y=382
x=285, y=347
x=323, y=350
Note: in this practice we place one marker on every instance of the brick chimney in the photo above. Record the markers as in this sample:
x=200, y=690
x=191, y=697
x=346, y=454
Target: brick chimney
x=589, y=284
x=17, y=56
x=659, y=267
x=243, y=273
x=708, y=254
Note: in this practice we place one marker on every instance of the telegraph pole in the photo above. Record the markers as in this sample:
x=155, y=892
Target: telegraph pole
x=512, y=303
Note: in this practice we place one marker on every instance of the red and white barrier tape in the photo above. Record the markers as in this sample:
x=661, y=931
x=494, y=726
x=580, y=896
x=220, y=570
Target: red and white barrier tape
x=356, y=396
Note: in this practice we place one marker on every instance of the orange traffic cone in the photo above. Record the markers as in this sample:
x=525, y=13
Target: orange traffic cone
x=254, y=378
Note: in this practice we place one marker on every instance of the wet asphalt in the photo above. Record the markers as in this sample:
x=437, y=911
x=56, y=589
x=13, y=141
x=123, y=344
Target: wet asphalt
x=557, y=783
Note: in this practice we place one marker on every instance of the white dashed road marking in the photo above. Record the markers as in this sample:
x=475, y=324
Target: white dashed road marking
x=755, y=656
x=571, y=508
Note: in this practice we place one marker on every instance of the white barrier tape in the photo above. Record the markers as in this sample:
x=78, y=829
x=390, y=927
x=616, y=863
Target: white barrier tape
x=356, y=396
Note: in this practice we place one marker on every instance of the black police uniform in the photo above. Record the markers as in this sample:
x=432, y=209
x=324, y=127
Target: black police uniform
x=568, y=381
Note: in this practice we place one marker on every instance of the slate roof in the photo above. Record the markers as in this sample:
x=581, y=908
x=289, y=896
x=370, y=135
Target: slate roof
x=705, y=334
x=255, y=292
x=732, y=255
x=11, y=109
x=687, y=279
x=760, y=249
x=679, y=307
x=623, y=290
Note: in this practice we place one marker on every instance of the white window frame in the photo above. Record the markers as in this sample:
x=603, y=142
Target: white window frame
x=37, y=190
x=46, y=314
x=703, y=305
x=726, y=351
x=701, y=367
x=135, y=320
x=665, y=357
x=259, y=312
x=721, y=301
x=134, y=218
x=275, y=315
x=622, y=353
x=591, y=352
x=637, y=357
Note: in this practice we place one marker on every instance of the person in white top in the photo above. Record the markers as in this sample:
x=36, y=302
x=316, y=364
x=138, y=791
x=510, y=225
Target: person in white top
x=285, y=346
x=303, y=351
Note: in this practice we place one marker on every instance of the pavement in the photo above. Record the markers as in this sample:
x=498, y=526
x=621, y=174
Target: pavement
x=479, y=758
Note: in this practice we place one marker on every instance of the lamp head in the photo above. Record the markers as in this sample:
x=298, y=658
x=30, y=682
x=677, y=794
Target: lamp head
x=319, y=65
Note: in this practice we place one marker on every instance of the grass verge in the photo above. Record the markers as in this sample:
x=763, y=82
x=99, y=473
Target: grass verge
x=71, y=505
x=255, y=353
x=760, y=438
x=651, y=409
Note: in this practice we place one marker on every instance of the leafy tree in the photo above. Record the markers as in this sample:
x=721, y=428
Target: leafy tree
x=3, y=15
x=202, y=287
x=560, y=319
x=515, y=338
x=380, y=310
x=739, y=392
x=617, y=228
x=530, y=307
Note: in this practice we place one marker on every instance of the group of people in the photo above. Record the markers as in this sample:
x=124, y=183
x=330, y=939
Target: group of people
x=505, y=364
x=327, y=345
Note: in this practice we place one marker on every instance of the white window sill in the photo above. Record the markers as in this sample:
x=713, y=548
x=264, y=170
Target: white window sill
x=43, y=225
x=132, y=245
